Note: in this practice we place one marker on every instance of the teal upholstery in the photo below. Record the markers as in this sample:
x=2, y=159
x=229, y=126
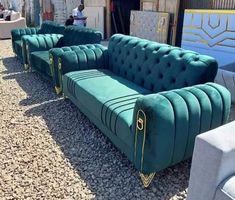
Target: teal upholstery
x=47, y=27
x=151, y=100
x=56, y=45
x=57, y=53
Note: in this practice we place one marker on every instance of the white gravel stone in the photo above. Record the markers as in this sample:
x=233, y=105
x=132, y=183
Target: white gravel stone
x=49, y=150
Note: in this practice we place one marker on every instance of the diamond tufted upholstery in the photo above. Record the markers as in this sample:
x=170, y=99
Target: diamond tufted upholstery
x=158, y=67
x=151, y=100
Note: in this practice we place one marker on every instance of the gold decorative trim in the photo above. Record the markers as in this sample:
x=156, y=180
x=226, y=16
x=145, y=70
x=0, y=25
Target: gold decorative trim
x=58, y=90
x=210, y=11
x=140, y=126
x=147, y=179
x=26, y=66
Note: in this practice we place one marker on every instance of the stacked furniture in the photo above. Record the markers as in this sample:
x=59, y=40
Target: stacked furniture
x=16, y=21
x=43, y=58
x=151, y=100
x=19, y=36
x=212, y=174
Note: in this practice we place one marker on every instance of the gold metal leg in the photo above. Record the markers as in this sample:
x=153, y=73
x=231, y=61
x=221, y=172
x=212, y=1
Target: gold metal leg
x=58, y=90
x=26, y=66
x=65, y=97
x=147, y=179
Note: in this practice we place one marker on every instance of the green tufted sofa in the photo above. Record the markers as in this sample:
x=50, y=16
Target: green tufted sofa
x=40, y=52
x=151, y=100
x=19, y=36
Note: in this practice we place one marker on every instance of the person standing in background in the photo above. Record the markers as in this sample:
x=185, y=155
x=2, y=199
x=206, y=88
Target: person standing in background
x=79, y=18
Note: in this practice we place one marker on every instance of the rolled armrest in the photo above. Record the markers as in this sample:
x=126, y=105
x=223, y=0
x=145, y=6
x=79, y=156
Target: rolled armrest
x=19, y=32
x=167, y=123
x=57, y=53
x=40, y=43
x=25, y=38
x=87, y=57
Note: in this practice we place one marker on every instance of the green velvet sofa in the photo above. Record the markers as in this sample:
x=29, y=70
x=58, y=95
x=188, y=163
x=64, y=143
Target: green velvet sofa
x=151, y=100
x=40, y=55
x=19, y=36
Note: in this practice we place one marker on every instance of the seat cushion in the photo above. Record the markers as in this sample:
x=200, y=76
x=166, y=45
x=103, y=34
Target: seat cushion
x=109, y=97
x=18, y=48
x=226, y=190
x=40, y=62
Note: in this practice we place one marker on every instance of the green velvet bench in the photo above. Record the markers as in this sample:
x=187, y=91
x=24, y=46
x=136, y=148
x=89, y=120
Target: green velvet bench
x=19, y=36
x=40, y=53
x=151, y=100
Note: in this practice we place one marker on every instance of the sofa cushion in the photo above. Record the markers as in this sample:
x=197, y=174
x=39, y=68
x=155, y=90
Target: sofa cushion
x=158, y=67
x=51, y=27
x=75, y=35
x=109, y=97
x=226, y=190
x=40, y=61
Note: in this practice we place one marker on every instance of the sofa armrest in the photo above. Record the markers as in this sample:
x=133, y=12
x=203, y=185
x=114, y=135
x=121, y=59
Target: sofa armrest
x=87, y=57
x=213, y=162
x=166, y=124
x=57, y=53
x=19, y=32
x=42, y=42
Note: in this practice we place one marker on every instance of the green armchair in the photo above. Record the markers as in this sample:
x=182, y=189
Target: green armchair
x=151, y=100
x=19, y=36
x=43, y=51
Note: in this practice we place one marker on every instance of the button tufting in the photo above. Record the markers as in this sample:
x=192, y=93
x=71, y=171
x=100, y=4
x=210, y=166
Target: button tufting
x=157, y=60
x=161, y=76
x=184, y=68
x=168, y=64
x=149, y=71
x=181, y=55
x=142, y=82
x=128, y=53
x=139, y=69
x=173, y=80
x=125, y=73
x=136, y=56
x=122, y=62
x=152, y=87
x=167, y=52
x=130, y=66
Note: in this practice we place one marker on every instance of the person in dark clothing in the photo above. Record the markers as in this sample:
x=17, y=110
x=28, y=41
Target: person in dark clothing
x=69, y=21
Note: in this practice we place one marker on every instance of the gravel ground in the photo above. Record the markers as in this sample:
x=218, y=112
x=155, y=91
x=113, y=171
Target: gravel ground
x=49, y=150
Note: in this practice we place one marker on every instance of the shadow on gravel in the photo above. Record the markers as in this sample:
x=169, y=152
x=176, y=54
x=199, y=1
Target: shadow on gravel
x=12, y=65
x=108, y=173
x=37, y=89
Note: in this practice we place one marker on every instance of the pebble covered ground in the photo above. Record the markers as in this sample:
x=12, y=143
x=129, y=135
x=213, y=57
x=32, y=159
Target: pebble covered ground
x=49, y=150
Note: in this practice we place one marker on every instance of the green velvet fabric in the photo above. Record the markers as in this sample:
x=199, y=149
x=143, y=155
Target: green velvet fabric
x=174, y=119
x=47, y=27
x=71, y=57
x=16, y=35
x=41, y=63
x=18, y=49
x=158, y=67
x=75, y=35
x=141, y=81
x=113, y=109
x=54, y=38
x=72, y=36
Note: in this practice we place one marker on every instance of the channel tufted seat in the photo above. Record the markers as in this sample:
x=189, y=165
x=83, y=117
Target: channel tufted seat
x=20, y=35
x=43, y=51
x=151, y=100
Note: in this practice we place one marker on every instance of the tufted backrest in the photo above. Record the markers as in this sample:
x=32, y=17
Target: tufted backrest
x=75, y=35
x=51, y=27
x=158, y=67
